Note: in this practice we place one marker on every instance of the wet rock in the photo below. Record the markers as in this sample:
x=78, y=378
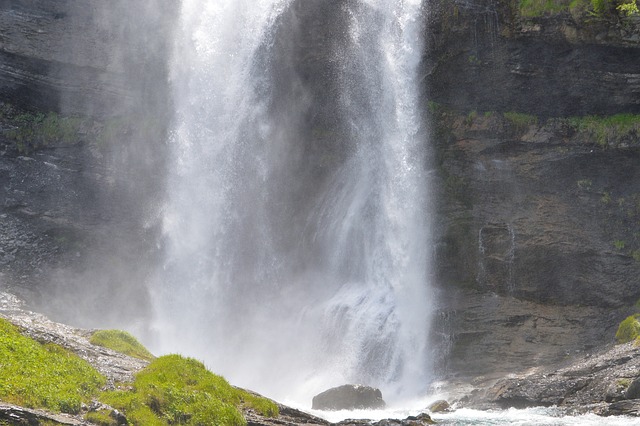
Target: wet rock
x=349, y=397
x=419, y=420
x=625, y=408
x=633, y=392
x=439, y=406
x=595, y=379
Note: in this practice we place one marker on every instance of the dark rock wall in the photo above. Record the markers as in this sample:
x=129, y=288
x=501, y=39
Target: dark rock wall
x=78, y=219
x=84, y=56
x=482, y=56
x=538, y=221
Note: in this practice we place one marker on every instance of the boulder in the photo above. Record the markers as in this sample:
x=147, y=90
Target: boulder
x=439, y=406
x=633, y=391
x=349, y=397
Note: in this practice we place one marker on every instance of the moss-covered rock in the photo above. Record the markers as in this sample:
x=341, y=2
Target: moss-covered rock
x=121, y=341
x=47, y=376
x=178, y=390
x=629, y=329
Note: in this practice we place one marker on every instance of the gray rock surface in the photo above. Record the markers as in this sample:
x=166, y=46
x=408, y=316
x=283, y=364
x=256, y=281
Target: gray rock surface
x=349, y=397
x=593, y=382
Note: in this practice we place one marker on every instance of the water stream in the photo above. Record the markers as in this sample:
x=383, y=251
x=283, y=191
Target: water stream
x=296, y=262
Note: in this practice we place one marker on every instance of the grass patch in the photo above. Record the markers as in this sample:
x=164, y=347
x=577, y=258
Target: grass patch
x=177, y=390
x=36, y=130
x=593, y=8
x=629, y=329
x=520, y=121
x=121, y=341
x=535, y=8
x=43, y=376
x=608, y=130
x=101, y=418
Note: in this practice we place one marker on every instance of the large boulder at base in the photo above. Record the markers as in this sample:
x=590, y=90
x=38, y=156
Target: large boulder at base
x=349, y=397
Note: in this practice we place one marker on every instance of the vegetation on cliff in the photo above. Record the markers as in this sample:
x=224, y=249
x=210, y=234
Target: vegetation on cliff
x=595, y=8
x=629, y=329
x=121, y=341
x=47, y=376
x=178, y=390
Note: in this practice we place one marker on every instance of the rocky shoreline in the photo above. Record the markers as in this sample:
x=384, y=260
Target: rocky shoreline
x=606, y=383
x=119, y=368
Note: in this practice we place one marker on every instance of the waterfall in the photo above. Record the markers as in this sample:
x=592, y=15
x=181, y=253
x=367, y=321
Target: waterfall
x=297, y=236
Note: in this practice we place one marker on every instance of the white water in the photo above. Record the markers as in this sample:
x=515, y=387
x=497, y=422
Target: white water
x=283, y=284
x=539, y=416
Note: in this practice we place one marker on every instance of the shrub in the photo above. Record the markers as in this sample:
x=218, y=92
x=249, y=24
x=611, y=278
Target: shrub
x=629, y=329
x=177, y=390
x=609, y=129
x=520, y=121
x=534, y=8
x=43, y=376
x=121, y=341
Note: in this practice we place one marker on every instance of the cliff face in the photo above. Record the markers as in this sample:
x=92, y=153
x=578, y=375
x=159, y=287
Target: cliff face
x=539, y=220
x=75, y=193
x=538, y=252
x=84, y=56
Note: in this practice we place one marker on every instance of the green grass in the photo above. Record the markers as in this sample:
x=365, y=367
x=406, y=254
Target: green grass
x=520, y=121
x=577, y=8
x=43, y=376
x=535, y=8
x=629, y=329
x=101, y=418
x=608, y=130
x=37, y=130
x=177, y=390
x=121, y=341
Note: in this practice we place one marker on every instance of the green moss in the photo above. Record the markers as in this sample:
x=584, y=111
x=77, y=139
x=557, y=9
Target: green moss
x=577, y=8
x=619, y=244
x=629, y=329
x=608, y=130
x=628, y=7
x=520, y=121
x=121, y=341
x=177, y=390
x=32, y=131
x=101, y=418
x=535, y=8
x=43, y=376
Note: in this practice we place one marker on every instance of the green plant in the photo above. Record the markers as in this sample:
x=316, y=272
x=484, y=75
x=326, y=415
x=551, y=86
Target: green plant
x=606, y=198
x=629, y=329
x=471, y=117
x=43, y=376
x=627, y=8
x=520, y=121
x=121, y=341
x=177, y=390
x=101, y=418
x=30, y=131
x=600, y=7
x=535, y=8
x=608, y=130
x=619, y=244
x=584, y=184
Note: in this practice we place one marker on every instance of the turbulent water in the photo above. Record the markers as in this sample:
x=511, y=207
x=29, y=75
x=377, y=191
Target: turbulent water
x=513, y=417
x=290, y=269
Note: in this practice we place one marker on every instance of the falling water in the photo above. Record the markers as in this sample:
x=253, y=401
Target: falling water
x=297, y=262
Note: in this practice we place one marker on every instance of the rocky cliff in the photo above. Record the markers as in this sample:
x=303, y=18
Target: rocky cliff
x=539, y=216
x=84, y=103
x=538, y=251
